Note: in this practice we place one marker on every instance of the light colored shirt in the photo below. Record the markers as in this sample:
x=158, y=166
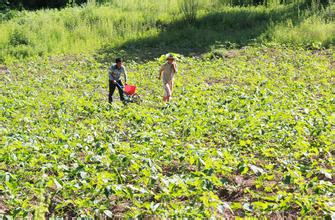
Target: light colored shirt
x=168, y=72
x=115, y=73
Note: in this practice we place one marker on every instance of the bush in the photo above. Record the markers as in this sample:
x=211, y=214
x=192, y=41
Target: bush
x=189, y=8
x=36, y=4
x=2, y=59
x=18, y=37
x=3, y=5
x=22, y=51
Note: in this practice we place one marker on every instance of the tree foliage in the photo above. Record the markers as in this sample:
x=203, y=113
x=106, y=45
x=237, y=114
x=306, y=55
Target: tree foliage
x=187, y=7
x=35, y=4
x=3, y=4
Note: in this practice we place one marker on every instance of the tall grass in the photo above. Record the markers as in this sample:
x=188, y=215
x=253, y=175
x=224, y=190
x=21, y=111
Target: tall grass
x=315, y=29
x=81, y=29
x=190, y=9
x=90, y=27
x=312, y=32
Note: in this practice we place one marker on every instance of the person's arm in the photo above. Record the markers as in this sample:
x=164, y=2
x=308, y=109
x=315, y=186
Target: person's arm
x=175, y=68
x=125, y=75
x=110, y=76
x=160, y=72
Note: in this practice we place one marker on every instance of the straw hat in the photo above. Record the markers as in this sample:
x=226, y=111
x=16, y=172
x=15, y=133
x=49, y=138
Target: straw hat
x=170, y=56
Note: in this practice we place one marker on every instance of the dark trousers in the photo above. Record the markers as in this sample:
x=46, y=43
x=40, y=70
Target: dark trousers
x=112, y=87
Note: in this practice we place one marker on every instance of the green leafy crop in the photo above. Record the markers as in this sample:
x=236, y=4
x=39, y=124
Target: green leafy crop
x=251, y=134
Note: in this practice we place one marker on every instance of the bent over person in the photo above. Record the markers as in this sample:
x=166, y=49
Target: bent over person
x=166, y=73
x=115, y=72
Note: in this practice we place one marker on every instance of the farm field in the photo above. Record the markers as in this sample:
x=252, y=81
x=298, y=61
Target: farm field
x=249, y=132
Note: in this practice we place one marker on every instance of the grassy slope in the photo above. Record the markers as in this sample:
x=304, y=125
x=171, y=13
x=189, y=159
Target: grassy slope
x=134, y=24
x=257, y=137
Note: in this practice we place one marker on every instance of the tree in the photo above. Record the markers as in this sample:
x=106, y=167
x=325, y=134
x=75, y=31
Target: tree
x=4, y=4
x=36, y=4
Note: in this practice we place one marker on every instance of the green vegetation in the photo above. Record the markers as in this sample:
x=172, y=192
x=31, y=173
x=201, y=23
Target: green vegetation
x=131, y=25
x=249, y=131
x=258, y=138
x=36, y=4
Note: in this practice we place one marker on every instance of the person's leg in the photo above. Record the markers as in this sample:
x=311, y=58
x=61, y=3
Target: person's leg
x=111, y=91
x=167, y=92
x=164, y=96
x=120, y=88
x=171, y=86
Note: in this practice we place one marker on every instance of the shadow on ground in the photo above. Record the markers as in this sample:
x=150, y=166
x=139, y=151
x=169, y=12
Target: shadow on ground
x=231, y=28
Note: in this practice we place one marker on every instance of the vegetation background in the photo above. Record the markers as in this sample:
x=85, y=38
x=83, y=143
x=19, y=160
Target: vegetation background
x=188, y=26
x=249, y=132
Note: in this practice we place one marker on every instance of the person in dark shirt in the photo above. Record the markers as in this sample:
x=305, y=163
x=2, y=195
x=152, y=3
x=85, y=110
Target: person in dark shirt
x=115, y=72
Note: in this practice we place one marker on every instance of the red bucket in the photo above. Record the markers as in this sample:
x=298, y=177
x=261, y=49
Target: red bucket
x=130, y=90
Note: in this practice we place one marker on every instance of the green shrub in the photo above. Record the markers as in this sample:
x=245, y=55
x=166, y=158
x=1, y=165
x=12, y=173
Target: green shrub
x=90, y=16
x=71, y=23
x=18, y=37
x=22, y=51
x=4, y=4
x=2, y=58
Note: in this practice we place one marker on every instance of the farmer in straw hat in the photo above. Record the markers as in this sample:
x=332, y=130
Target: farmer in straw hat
x=166, y=73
